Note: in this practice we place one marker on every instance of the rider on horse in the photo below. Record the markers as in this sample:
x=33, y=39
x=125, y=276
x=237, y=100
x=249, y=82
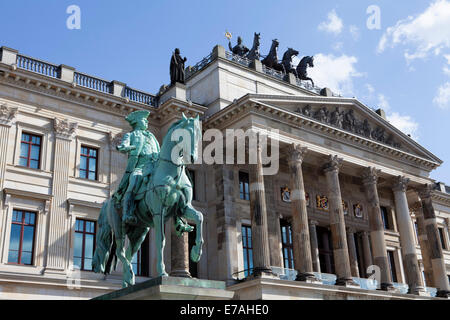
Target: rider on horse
x=143, y=152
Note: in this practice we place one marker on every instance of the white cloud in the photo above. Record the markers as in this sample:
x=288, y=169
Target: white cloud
x=446, y=68
x=429, y=32
x=383, y=102
x=442, y=99
x=404, y=123
x=338, y=46
x=334, y=72
x=354, y=32
x=370, y=88
x=333, y=24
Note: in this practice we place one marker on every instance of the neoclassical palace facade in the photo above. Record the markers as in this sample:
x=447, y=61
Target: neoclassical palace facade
x=352, y=198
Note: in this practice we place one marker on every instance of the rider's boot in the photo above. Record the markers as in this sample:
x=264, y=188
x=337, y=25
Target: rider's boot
x=127, y=215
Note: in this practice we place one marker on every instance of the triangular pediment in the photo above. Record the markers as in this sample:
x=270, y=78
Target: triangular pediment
x=348, y=115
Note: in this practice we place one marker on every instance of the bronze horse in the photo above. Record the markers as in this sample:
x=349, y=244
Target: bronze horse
x=271, y=61
x=253, y=54
x=302, y=73
x=287, y=61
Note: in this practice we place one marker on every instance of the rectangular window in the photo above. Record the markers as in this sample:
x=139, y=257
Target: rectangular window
x=287, y=244
x=247, y=248
x=191, y=176
x=244, y=192
x=88, y=163
x=84, y=244
x=392, y=265
x=385, y=218
x=442, y=237
x=30, y=151
x=416, y=228
x=21, y=242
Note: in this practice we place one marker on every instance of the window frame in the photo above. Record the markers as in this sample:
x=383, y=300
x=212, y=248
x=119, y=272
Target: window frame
x=245, y=194
x=84, y=241
x=30, y=145
x=246, y=249
x=442, y=238
x=392, y=265
x=22, y=224
x=97, y=152
x=287, y=245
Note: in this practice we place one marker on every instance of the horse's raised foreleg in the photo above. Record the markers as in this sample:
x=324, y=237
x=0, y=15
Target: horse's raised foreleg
x=190, y=213
x=158, y=221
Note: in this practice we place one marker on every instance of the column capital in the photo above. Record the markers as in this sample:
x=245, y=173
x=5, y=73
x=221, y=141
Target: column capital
x=7, y=114
x=351, y=230
x=416, y=207
x=370, y=175
x=64, y=129
x=425, y=191
x=297, y=153
x=400, y=184
x=334, y=164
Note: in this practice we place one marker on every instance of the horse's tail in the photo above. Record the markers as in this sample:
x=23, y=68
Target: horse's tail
x=105, y=242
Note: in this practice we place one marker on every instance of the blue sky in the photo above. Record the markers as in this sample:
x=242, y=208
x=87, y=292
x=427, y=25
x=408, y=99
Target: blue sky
x=403, y=67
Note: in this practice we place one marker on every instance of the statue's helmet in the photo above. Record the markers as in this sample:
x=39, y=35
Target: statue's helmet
x=136, y=116
x=239, y=39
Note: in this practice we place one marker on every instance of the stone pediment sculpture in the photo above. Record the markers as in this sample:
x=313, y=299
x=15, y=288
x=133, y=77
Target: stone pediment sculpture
x=154, y=189
x=239, y=49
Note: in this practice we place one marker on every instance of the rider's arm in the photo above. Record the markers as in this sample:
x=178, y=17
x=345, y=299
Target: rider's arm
x=124, y=146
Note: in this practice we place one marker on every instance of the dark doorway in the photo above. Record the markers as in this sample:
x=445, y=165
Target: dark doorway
x=325, y=250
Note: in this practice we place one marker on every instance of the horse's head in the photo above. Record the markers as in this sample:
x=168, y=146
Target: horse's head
x=257, y=38
x=275, y=43
x=311, y=61
x=182, y=140
x=289, y=54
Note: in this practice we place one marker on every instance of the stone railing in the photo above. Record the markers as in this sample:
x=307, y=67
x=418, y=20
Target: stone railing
x=241, y=60
x=12, y=58
x=140, y=96
x=87, y=81
x=190, y=71
x=37, y=66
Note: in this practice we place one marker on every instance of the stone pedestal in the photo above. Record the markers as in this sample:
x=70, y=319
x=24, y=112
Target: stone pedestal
x=171, y=288
x=177, y=90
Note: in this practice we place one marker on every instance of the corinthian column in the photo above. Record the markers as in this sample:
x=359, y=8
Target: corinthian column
x=58, y=226
x=314, y=245
x=434, y=242
x=337, y=223
x=258, y=211
x=407, y=242
x=352, y=252
x=379, y=252
x=366, y=251
x=423, y=242
x=300, y=228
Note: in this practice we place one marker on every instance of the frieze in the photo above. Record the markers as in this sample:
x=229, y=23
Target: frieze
x=347, y=121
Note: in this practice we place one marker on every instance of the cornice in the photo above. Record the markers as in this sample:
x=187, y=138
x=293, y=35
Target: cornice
x=440, y=197
x=69, y=92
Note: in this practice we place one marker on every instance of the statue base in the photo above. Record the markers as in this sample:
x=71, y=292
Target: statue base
x=172, y=288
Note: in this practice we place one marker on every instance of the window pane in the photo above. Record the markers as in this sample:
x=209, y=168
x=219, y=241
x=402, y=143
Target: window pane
x=78, y=245
x=34, y=164
x=93, y=153
x=23, y=162
x=35, y=152
x=25, y=137
x=83, y=163
x=13, y=257
x=92, y=164
x=14, y=240
x=77, y=262
x=92, y=175
x=87, y=264
x=28, y=237
x=17, y=216
x=26, y=257
x=24, y=150
x=89, y=246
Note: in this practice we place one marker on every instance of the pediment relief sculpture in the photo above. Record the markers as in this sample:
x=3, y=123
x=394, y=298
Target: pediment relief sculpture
x=348, y=121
